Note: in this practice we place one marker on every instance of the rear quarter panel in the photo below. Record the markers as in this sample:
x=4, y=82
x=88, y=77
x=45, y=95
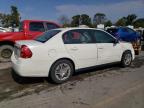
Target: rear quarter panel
x=44, y=56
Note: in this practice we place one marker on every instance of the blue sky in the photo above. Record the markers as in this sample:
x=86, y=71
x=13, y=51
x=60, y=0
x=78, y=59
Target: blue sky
x=53, y=9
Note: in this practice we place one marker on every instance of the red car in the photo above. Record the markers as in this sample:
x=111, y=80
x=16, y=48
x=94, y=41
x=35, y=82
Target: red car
x=28, y=29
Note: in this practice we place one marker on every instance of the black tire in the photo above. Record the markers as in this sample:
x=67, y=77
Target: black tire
x=5, y=53
x=126, y=59
x=137, y=52
x=52, y=75
x=17, y=78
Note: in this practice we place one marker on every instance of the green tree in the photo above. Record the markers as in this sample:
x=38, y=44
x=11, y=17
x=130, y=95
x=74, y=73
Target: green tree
x=139, y=23
x=15, y=16
x=121, y=22
x=130, y=19
x=75, y=21
x=125, y=21
x=99, y=18
x=1, y=18
x=85, y=20
x=108, y=23
x=5, y=20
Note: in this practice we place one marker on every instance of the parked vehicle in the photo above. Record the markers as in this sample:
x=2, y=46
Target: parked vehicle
x=128, y=35
x=141, y=32
x=29, y=29
x=3, y=29
x=59, y=52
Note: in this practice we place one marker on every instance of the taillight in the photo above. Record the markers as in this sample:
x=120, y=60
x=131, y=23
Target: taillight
x=25, y=52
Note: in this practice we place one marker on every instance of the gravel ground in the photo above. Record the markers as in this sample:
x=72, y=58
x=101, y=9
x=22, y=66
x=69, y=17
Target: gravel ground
x=5, y=65
x=105, y=87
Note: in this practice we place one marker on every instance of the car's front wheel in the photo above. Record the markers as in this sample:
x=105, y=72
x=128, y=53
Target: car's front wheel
x=61, y=71
x=126, y=59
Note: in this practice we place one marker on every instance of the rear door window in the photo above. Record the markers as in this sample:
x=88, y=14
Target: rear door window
x=102, y=37
x=37, y=26
x=78, y=36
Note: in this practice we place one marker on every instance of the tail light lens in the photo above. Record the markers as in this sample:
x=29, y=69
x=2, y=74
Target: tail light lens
x=25, y=52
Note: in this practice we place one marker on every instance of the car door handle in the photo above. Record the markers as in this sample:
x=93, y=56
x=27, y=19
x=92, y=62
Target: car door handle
x=74, y=48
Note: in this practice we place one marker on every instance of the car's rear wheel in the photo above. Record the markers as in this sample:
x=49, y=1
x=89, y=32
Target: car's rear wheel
x=17, y=78
x=61, y=71
x=5, y=53
x=126, y=59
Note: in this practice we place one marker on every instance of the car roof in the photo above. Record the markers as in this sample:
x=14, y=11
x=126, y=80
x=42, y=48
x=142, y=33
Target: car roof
x=118, y=27
x=37, y=20
x=73, y=28
x=47, y=21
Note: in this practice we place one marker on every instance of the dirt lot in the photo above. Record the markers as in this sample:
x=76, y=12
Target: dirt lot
x=105, y=87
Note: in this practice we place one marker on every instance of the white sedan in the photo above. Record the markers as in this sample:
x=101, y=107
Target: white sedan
x=59, y=52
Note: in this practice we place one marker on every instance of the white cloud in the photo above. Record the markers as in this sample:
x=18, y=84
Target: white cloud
x=113, y=11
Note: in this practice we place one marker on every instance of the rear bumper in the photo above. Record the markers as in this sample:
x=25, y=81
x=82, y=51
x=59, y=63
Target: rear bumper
x=21, y=70
x=26, y=68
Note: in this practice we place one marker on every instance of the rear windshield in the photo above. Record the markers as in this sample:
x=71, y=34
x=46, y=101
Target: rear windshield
x=47, y=35
x=112, y=30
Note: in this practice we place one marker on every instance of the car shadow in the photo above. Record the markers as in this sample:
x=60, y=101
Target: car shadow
x=26, y=80
x=81, y=74
x=98, y=69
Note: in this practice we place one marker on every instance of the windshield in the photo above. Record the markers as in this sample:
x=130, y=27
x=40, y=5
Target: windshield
x=47, y=35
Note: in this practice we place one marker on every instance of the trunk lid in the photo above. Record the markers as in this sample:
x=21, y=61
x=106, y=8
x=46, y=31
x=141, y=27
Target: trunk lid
x=28, y=43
